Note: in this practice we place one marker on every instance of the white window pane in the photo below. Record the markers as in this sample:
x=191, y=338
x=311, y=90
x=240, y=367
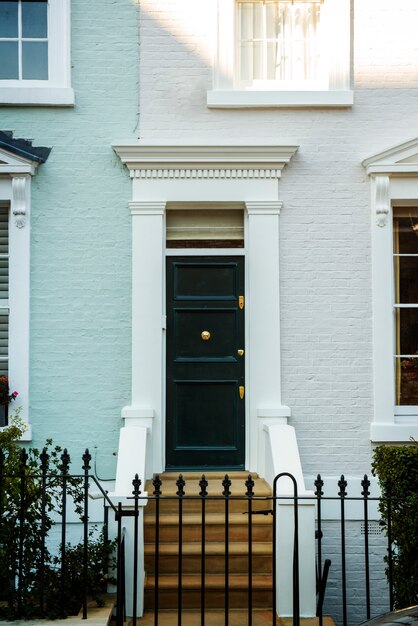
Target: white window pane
x=258, y=65
x=406, y=381
x=8, y=19
x=246, y=58
x=258, y=21
x=34, y=19
x=272, y=61
x=405, y=230
x=272, y=17
x=246, y=21
x=35, y=60
x=408, y=330
x=406, y=283
x=9, y=61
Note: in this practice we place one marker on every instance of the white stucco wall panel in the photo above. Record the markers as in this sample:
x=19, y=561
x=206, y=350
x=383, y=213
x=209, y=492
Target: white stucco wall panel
x=325, y=245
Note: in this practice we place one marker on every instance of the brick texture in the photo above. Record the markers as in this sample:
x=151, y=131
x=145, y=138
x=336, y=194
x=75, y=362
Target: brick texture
x=80, y=238
x=325, y=283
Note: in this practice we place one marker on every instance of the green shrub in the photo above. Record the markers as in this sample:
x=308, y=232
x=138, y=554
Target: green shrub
x=397, y=470
x=24, y=540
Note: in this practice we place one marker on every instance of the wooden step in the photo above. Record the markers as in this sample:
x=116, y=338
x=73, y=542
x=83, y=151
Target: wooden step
x=261, y=588
x=214, y=558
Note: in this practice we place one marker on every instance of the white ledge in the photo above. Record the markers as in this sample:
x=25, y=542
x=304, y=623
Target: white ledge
x=26, y=435
x=279, y=412
x=393, y=432
x=234, y=99
x=137, y=412
x=37, y=96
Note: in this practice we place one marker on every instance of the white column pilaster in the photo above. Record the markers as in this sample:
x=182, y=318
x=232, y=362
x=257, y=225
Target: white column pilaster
x=19, y=277
x=382, y=278
x=146, y=408
x=263, y=311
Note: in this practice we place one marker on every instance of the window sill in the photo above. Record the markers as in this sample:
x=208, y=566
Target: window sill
x=26, y=436
x=37, y=96
x=394, y=432
x=234, y=99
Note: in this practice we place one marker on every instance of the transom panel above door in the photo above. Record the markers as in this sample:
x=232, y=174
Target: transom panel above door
x=205, y=363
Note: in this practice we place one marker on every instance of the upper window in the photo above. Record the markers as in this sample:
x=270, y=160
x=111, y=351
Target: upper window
x=34, y=52
x=282, y=53
x=24, y=40
x=394, y=228
x=279, y=40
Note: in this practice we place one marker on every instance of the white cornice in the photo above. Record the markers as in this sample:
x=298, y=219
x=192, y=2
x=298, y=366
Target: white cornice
x=205, y=161
x=401, y=159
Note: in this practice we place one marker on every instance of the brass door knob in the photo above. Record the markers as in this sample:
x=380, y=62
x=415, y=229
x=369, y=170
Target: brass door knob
x=205, y=334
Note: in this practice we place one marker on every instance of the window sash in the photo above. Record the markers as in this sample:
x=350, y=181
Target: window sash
x=405, y=364
x=21, y=40
x=288, y=52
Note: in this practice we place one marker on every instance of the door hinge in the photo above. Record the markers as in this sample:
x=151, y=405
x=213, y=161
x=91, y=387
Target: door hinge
x=241, y=392
x=241, y=302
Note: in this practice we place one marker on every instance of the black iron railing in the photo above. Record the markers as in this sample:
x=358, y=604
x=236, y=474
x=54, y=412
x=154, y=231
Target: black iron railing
x=60, y=485
x=225, y=496
x=32, y=501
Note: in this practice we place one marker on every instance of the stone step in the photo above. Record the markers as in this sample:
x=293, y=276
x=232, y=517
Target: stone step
x=214, y=533
x=237, y=617
x=262, y=528
x=261, y=589
x=192, y=502
x=214, y=558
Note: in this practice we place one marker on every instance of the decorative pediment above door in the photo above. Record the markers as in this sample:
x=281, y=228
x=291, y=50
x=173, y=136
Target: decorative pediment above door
x=400, y=159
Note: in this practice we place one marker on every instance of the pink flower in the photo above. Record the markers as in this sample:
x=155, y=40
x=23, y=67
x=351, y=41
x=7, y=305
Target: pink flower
x=15, y=393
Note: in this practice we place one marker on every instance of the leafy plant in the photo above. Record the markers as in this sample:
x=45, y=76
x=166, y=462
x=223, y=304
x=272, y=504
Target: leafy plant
x=397, y=470
x=31, y=496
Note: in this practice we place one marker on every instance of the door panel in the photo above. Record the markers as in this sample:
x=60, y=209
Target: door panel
x=189, y=325
x=205, y=412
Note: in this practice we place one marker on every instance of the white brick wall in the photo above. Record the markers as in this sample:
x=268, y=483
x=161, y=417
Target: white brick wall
x=325, y=233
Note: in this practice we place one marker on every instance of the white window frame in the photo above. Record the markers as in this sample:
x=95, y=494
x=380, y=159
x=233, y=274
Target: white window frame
x=15, y=191
x=394, y=182
x=57, y=89
x=335, y=91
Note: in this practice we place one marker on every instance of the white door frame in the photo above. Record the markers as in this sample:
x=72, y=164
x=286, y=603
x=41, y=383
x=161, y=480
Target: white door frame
x=224, y=176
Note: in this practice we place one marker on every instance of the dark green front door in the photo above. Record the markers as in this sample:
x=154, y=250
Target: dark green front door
x=205, y=362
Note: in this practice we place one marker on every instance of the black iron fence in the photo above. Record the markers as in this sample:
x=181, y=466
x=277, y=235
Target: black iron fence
x=42, y=574
x=31, y=574
x=265, y=505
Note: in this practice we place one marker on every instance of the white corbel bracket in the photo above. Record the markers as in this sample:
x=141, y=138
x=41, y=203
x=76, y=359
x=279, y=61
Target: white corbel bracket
x=382, y=204
x=20, y=195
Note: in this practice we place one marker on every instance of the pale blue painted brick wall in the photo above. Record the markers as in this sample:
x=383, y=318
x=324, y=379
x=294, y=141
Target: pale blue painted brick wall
x=81, y=238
